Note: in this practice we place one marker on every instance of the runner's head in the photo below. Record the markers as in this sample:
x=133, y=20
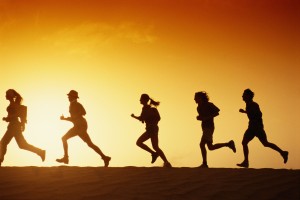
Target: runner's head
x=73, y=95
x=201, y=97
x=248, y=95
x=145, y=98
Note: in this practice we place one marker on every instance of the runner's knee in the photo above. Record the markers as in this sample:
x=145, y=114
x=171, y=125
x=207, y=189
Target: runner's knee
x=90, y=144
x=64, y=140
x=138, y=143
x=245, y=142
x=202, y=143
x=156, y=147
x=265, y=143
x=22, y=145
x=210, y=146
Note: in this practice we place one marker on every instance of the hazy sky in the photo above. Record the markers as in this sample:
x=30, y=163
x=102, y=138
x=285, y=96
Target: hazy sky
x=112, y=51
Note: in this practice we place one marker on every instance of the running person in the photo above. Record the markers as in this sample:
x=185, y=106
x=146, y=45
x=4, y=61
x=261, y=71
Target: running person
x=77, y=112
x=255, y=129
x=16, y=125
x=206, y=113
x=151, y=117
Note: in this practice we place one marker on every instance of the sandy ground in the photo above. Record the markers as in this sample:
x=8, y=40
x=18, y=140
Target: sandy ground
x=147, y=183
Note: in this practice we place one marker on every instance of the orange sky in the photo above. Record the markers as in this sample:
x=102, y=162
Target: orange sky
x=112, y=51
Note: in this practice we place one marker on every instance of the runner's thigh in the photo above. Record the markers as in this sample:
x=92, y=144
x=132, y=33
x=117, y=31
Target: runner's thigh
x=85, y=137
x=71, y=133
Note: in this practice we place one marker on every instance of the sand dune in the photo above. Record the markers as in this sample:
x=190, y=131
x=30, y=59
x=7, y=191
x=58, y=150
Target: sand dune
x=147, y=183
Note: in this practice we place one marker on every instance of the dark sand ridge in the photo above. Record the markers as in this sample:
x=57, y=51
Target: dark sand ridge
x=147, y=183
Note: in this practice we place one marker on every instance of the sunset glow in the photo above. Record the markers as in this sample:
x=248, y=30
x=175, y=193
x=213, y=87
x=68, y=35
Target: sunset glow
x=112, y=51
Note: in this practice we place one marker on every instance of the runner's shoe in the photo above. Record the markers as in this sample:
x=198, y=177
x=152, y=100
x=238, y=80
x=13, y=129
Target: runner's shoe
x=231, y=145
x=154, y=157
x=167, y=165
x=243, y=164
x=106, y=160
x=43, y=155
x=64, y=160
x=285, y=155
x=204, y=165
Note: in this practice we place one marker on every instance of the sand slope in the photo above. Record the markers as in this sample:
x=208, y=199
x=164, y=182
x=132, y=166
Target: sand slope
x=147, y=183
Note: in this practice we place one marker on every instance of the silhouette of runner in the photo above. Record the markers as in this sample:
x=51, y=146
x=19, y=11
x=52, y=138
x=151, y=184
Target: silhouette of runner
x=206, y=113
x=77, y=112
x=255, y=128
x=16, y=125
x=151, y=117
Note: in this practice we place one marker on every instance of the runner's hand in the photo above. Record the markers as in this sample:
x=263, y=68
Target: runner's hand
x=242, y=111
